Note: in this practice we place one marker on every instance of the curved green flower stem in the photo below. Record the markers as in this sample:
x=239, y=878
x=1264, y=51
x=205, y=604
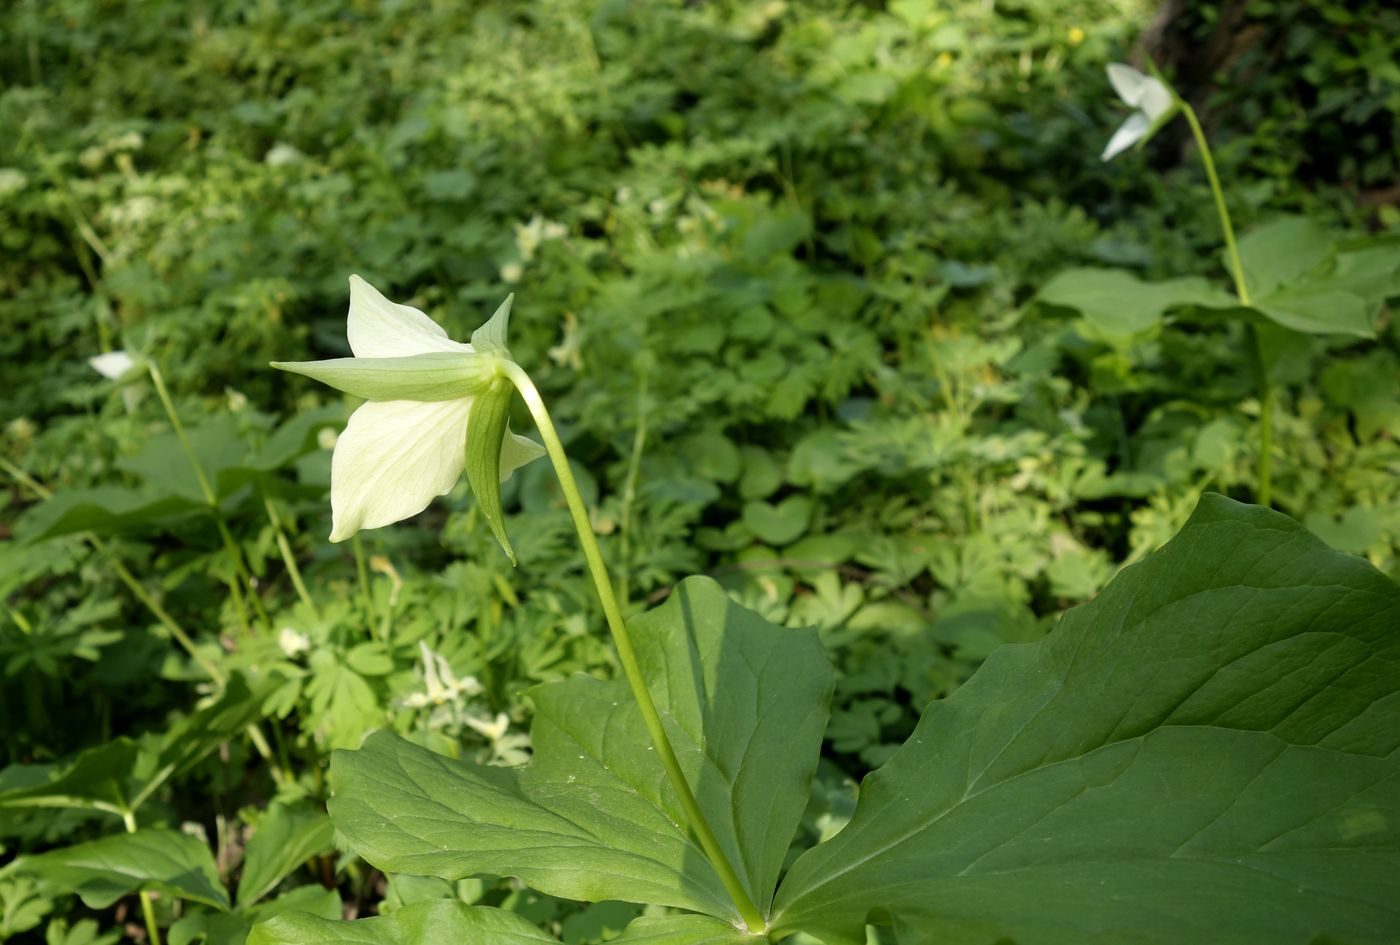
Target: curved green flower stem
x=255, y=735
x=1266, y=392
x=241, y=578
x=147, y=907
x=626, y=656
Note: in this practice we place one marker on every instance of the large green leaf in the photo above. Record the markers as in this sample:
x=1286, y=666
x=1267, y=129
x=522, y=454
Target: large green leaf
x=1119, y=303
x=1299, y=277
x=444, y=922
x=1209, y=751
x=592, y=817
x=102, y=871
x=106, y=510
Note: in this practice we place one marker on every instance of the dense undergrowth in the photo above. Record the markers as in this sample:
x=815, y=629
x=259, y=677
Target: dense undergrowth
x=777, y=268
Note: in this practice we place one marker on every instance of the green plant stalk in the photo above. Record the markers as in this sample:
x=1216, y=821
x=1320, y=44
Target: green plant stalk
x=288, y=558
x=147, y=906
x=626, y=655
x=1266, y=392
x=362, y=575
x=629, y=490
x=241, y=577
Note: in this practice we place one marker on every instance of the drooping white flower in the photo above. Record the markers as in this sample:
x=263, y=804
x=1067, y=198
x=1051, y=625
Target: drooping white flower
x=1152, y=103
x=112, y=365
x=408, y=443
x=440, y=685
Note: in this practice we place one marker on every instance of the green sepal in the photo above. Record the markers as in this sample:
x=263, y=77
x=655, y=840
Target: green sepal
x=486, y=433
x=426, y=377
x=491, y=337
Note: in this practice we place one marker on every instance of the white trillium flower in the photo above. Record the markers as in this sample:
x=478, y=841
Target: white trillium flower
x=1152, y=101
x=408, y=443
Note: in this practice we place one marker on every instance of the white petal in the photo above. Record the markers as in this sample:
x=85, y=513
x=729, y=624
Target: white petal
x=1128, y=82
x=392, y=459
x=1127, y=135
x=379, y=328
x=516, y=451
x=112, y=365
x=1156, y=99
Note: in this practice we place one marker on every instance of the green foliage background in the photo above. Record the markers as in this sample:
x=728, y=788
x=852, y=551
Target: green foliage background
x=776, y=268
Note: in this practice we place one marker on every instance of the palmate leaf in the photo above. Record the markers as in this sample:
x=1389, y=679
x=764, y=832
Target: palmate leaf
x=1209, y=751
x=593, y=817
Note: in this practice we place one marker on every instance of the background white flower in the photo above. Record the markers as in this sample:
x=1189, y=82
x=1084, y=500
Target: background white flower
x=1151, y=100
x=112, y=365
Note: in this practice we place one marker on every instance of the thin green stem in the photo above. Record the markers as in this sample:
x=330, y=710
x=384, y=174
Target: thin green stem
x=362, y=572
x=1261, y=369
x=148, y=908
x=629, y=489
x=288, y=558
x=1236, y=266
x=625, y=653
x=241, y=577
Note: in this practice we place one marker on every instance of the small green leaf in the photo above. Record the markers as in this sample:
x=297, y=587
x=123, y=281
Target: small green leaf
x=444, y=922
x=1208, y=751
x=102, y=871
x=1119, y=303
x=779, y=524
x=285, y=839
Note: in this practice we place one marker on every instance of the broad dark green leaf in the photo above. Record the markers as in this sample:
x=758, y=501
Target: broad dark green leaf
x=102, y=871
x=106, y=510
x=592, y=817
x=445, y=922
x=285, y=839
x=1119, y=303
x=101, y=774
x=1209, y=751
